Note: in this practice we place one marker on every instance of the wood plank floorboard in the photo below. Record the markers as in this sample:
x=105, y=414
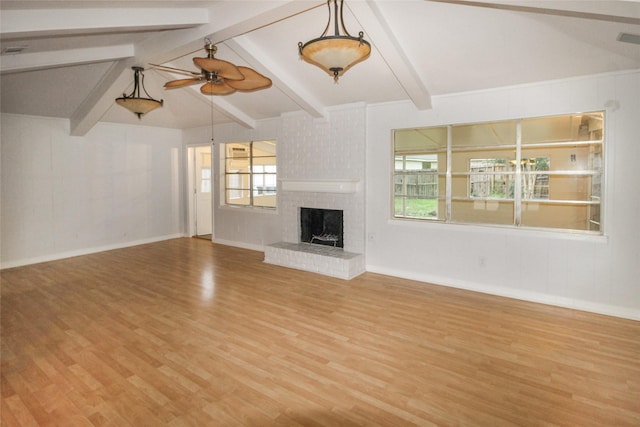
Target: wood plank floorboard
x=189, y=333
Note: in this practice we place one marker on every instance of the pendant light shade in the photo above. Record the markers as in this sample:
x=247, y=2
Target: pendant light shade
x=134, y=102
x=337, y=53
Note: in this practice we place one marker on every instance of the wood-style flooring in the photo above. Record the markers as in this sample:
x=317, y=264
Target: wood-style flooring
x=189, y=333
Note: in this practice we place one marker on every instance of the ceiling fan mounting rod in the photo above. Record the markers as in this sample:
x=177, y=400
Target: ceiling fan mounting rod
x=211, y=50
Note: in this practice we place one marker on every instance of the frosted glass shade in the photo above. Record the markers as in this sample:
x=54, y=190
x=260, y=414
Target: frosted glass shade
x=139, y=106
x=335, y=54
x=134, y=102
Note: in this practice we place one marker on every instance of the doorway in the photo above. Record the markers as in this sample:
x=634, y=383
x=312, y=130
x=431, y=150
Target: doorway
x=200, y=191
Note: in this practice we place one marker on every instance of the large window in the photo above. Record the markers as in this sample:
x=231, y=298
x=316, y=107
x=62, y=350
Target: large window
x=537, y=172
x=250, y=174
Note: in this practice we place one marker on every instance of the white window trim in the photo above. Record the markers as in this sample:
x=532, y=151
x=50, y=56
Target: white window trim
x=516, y=226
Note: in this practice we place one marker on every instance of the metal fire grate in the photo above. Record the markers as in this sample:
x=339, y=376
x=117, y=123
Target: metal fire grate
x=332, y=238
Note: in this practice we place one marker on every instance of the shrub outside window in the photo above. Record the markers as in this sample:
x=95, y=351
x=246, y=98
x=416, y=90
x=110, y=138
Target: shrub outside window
x=250, y=174
x=536, y=172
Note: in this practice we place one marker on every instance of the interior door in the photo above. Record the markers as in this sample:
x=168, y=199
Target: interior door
x=202, y=180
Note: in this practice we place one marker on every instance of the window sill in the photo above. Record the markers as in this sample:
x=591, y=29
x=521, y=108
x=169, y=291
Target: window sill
x=492, y=228
x=251, y=209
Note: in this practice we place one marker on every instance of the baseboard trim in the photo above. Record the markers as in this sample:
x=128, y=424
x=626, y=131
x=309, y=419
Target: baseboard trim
x=86, y=251
x=242, y=245
x=530, y=296
x=605, y=309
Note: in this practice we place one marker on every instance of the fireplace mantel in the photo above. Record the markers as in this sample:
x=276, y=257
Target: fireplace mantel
x=321, y=185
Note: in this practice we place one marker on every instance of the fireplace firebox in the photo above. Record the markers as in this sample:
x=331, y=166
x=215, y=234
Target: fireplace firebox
x=321, y=227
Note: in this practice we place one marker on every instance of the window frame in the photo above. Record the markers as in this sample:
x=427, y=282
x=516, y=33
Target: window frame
x=591, y=173
x=249, y=174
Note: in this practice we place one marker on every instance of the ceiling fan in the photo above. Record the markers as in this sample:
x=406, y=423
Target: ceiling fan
x=219, y=77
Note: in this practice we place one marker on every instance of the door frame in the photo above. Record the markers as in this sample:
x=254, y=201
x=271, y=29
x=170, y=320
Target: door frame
x=191, y=201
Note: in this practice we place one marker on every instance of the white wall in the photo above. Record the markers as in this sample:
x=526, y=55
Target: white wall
x=62, y=196
x=306, y=149
x=243, y=227
x=122, y=185
x=600, y=274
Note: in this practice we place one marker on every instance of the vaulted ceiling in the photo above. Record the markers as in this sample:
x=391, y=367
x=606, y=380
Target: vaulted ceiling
x=71, y=59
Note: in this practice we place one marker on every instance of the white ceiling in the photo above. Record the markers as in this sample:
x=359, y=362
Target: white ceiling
x=78, y=55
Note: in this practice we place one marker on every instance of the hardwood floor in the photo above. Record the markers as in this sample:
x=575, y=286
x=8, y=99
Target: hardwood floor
x=188, y=333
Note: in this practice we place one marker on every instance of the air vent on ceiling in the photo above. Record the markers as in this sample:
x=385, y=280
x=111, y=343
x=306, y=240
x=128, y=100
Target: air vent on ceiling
x=628, y=38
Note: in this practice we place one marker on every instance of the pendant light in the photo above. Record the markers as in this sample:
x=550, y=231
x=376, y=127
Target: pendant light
x=134, y=102
x=337, y=53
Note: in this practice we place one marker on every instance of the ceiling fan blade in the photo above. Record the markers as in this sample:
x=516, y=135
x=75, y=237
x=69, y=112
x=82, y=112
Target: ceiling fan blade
x=222, y=68
x=182, y=83
x=175, y=70
x=253, y=80
x=219, y=88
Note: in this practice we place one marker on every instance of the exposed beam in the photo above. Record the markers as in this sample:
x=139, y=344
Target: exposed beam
x=281, y=78
x=378, y=30
x=60, y=58
x=223, y=106
x=232, y=19
x=219, y=103
x=102, y=97
x=39, y=23
x=627, y=12
x=284, y=10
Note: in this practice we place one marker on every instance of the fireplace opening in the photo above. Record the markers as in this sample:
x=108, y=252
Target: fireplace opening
x=321, y=227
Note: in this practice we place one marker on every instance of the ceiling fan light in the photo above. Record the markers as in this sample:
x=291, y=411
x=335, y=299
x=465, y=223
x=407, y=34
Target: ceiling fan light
x=337, y=53
x=134, y=102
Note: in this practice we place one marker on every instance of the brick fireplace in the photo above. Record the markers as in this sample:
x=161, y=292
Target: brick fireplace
x=343, y=262
x=321, y=165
